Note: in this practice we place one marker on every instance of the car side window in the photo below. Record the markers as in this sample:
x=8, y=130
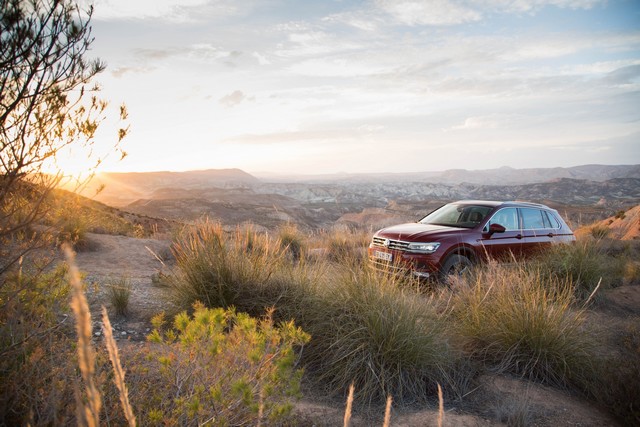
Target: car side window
x=534, y=219
x=551, y=220
x=507, y=217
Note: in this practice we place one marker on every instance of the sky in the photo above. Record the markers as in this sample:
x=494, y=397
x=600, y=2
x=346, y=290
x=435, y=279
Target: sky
x=369, y=86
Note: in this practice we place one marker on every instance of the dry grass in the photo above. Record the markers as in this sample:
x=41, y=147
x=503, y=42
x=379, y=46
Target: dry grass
x=517, y=320
x=374, y=335
x=119, y=293
x=89, y=413
x=114, y=357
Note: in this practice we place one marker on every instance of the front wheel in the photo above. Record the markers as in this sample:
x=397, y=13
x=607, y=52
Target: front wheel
x=454, y=267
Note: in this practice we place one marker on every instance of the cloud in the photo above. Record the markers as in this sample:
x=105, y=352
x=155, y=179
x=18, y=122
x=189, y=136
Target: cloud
x=179, y=11
x=233, y=99
x=308, y=40
x=336, y=67
x=625, y=76
x=364, y=20
x=325, y=135
x=262, y=60
x=532, y=6
x=122, y=71
x=455, y=12
x=474, y=123
x=428, y=12
x=155, y=54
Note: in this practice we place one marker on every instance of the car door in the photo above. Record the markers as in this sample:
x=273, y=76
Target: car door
x=505, y=245
x=538, y=230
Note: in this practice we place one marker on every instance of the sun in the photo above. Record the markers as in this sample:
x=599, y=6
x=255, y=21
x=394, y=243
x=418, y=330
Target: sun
x=72, y=166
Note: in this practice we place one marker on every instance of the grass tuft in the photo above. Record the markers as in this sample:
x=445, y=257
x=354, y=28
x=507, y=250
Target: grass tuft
x=585, y=264
x=367, y=329
x=119, y=295
x=517, y=320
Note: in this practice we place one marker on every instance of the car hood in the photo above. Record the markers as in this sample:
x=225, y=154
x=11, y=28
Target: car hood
x=417, y=232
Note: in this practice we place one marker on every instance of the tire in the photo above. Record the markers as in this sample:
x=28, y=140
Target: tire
x=455, y=265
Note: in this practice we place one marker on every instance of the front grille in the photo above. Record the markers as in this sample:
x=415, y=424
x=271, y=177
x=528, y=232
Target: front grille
x=397, y=245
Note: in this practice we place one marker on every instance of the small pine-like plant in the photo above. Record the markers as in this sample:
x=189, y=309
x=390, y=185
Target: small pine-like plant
x=221, y=366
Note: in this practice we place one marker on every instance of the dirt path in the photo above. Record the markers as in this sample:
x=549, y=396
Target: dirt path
x=113, y=258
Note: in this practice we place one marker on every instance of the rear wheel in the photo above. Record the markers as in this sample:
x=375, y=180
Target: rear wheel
x=454, y=267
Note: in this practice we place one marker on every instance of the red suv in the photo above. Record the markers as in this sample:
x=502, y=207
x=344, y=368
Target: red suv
x=453, y=237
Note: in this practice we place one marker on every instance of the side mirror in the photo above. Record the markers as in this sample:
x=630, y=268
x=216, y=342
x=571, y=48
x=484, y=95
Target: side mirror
x=496, y=228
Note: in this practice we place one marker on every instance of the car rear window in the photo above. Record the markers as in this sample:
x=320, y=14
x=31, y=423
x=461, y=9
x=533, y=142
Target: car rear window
x=535, y=219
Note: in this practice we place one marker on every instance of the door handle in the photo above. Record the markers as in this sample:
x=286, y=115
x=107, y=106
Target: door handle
x=551, y=235
x=519, y=236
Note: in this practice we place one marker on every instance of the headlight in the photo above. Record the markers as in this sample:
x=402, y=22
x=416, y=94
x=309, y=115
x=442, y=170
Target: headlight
x=425, y=248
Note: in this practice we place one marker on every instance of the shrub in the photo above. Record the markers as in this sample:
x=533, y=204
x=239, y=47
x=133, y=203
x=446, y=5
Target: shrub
x=244, y=269
x=585, y=263
x=600, y=231
x=36, y=353
x=517, y=320
x=214, y=268
x=368, y=331
x=73, y=229
x=343, y=245
x=221, y=367
x=292, y=241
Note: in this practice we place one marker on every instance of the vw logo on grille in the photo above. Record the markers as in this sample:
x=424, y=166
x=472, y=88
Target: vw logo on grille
x=385, y=243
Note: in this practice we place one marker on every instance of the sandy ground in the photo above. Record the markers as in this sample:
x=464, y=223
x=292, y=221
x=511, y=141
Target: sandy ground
x=114, y=257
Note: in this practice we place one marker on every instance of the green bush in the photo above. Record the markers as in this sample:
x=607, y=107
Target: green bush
x=519, y=321
x=218, y=367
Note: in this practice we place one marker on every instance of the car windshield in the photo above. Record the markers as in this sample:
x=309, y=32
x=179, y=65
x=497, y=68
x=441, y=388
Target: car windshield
x=457, y=215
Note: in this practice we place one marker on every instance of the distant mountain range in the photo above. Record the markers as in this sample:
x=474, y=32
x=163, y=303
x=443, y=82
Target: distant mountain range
x=119, y=189
x=500, y=176
x=234, y=196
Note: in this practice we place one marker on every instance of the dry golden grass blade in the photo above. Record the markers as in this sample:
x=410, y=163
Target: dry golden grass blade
x=387, y=412
x=260, y=406
x=347, y=411
x=440, y=407
x=112, y=348
x=86, y=353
